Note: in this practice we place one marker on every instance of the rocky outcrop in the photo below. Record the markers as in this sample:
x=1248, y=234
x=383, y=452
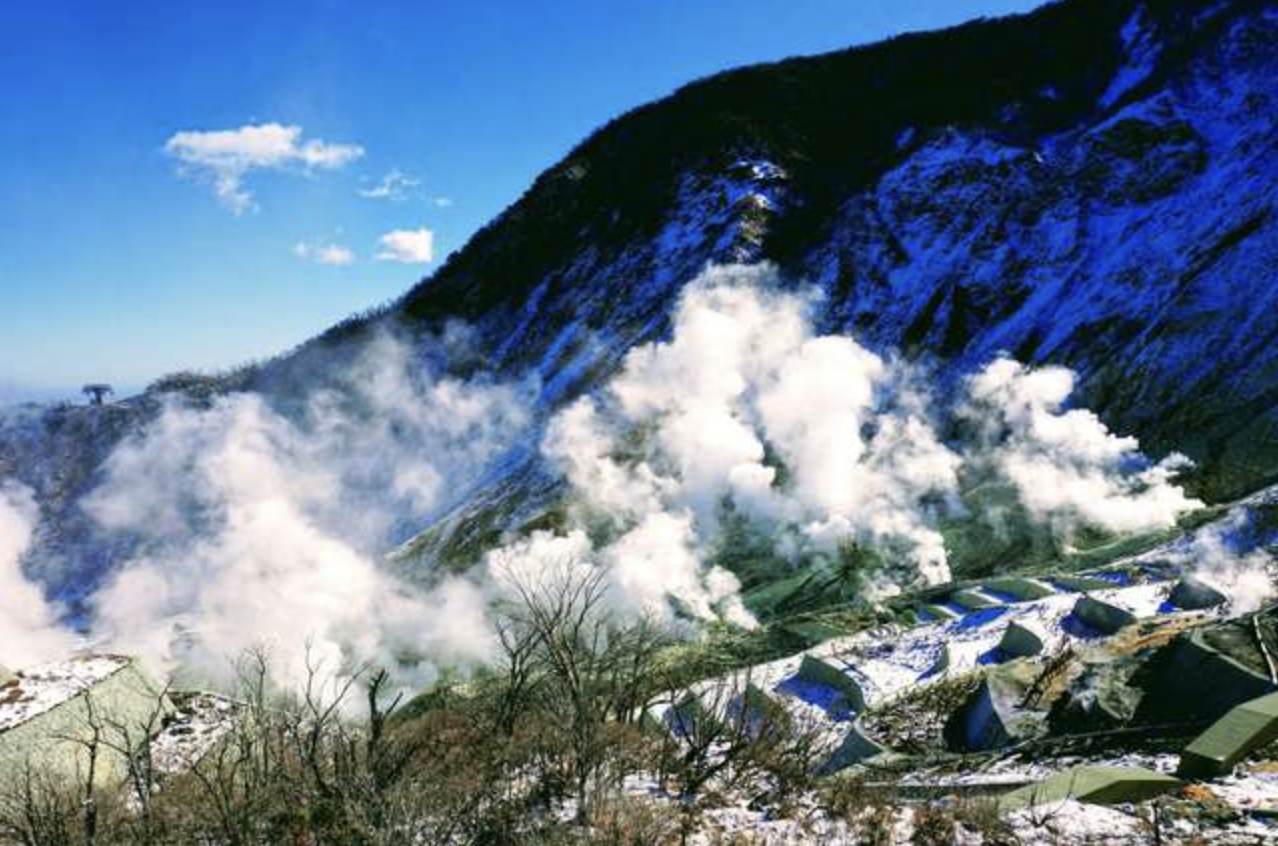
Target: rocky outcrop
x=1022, y=640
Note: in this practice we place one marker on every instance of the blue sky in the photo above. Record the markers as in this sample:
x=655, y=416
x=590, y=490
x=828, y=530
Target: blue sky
x=143, y=229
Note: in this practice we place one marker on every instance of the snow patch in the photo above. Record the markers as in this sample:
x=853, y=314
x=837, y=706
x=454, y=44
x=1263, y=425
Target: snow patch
x=1140, y=52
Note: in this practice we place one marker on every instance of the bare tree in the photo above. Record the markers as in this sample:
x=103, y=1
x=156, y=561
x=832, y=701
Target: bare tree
x=726, y=740
x=90, y=741
x=133, y=744
x=337, y=760
x=569, y=658
x=37, y=809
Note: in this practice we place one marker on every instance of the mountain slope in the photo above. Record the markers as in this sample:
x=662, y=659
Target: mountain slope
x=1092, y=185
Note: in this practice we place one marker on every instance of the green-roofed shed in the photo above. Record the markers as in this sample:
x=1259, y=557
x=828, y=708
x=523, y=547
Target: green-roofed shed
x=1096, y=785
x=939, y=612
x=1200, y=676
x=992, y=717
x=47, y=712
x=653, y=724
x=758, y=711
x=1193, y=594
x=1080, y=584
x=1023, y=590
x=973, y=601
x=689, y=715
x=1103, y=616
x=811, y=632
x=1219, y=749
x=817, y=671
x=1022, y=640
x=857, y=746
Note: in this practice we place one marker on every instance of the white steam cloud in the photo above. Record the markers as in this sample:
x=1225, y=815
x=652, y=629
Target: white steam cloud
x=1248, y=577
x=743, y=392
x=257, y=530
x=814, y=439
x=29, y=629
x=1068, y=469
x=255, y=526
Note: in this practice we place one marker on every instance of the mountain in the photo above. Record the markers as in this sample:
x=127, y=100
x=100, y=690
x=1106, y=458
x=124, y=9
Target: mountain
x=1092, y=184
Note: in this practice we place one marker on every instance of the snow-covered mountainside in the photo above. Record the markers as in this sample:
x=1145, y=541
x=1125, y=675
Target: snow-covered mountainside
x=1090, y=185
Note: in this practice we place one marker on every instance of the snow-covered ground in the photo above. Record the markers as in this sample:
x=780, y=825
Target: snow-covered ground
x=892, y=660
x=201, y=720
x=1064, y=823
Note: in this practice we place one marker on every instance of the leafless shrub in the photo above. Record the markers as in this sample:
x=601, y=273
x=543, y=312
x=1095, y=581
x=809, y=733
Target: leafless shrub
x=934, y=825
x=536, y=750
x=981, y=816
x=583, y=677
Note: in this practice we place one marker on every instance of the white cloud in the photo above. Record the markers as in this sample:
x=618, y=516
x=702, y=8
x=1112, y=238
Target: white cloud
x=408, y=246
x=226, y=157
x=395, y=185
x=330, y=254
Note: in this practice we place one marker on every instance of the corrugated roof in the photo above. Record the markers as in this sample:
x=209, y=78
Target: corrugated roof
x=40, y=689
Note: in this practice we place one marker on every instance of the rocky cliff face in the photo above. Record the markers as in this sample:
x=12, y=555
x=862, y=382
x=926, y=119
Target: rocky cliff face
x=1092, y=185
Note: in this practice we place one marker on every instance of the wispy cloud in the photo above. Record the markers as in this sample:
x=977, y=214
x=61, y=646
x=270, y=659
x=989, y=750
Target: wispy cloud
x=395, y=185
x=330, y=254
x=398, y=186
x=409, y=246
x=226, y=157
